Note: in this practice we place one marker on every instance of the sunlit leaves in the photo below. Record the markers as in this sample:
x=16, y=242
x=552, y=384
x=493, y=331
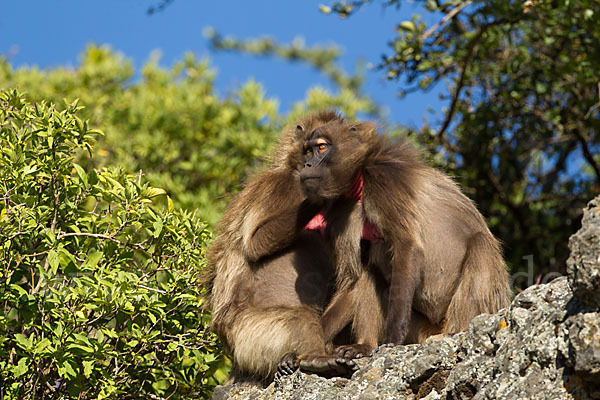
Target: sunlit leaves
x=98, y=270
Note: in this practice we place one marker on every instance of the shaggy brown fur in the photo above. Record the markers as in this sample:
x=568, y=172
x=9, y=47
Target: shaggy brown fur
x=269, y=279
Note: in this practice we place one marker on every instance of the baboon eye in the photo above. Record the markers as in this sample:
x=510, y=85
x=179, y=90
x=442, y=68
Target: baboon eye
x=323, y=147
x=307, y=151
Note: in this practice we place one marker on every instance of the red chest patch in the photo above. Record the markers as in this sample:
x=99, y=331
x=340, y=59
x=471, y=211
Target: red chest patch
x=369, y=231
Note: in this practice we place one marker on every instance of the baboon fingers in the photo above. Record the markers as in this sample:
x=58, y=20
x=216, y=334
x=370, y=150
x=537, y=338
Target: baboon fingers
x=288, y=365
x=351, y=351
x=328, y=365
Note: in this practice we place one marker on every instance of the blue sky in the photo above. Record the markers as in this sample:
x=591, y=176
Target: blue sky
x=49, y=33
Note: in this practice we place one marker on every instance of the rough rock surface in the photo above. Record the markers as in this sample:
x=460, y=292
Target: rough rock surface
x=583, y=265
x=546, y=345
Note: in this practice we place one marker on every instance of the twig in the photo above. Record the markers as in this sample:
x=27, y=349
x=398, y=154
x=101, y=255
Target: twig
x=444, y=20
x=100, y=236
x=586, y=152
x=152, y=289
x=463, y=75
x=594, y=107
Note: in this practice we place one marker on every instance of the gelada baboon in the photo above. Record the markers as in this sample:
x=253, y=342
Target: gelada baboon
x=268, y=278
x=412, y=254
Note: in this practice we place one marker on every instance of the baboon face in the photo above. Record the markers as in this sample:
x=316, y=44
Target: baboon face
x=331, y=155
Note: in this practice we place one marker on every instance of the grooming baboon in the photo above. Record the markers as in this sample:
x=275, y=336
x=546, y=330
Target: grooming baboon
x=268, y=278
x=430, y=263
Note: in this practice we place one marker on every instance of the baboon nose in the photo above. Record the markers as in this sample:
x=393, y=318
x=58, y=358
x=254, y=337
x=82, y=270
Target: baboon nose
x=307, y=165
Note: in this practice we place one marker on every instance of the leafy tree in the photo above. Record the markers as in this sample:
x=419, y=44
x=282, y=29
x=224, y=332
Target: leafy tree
x=98, y=271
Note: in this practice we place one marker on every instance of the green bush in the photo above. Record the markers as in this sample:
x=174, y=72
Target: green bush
x=98, y=271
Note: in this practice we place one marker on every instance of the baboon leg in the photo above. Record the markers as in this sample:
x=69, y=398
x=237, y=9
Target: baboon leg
x=483, y=286
x=260, y=338
x=420, y=329
x=368, y=322
x=338, y=314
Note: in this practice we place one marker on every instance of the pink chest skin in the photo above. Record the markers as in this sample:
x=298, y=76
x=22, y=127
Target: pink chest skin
x=369, y=231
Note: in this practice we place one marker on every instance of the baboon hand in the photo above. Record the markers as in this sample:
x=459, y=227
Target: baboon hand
x=287, y=366
x=352, y=351
x=328, y=366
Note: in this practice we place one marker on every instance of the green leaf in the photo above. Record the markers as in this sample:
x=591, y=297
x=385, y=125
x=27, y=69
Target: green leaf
x=21, y=368
x=161, y=386
x=92, y=261
x=407, y=26
x=324, y=9
x=88, y=367
x=80, y=349
x=151, y=192
x=19, y=290
x=43, y=346
x=53, y=261
x=23, y=342
x=541, y=87
x=30, y=169
x=92, y=177
x=81, y=173
x=66, y=368
x=170, y=205
x=66, y=258
x=158, y=226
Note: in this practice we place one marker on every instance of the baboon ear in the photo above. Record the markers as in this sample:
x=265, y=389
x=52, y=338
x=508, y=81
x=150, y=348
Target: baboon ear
x=363, y=129
x=299, y=130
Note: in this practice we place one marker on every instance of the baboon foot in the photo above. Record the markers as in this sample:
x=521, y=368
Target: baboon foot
x=351, y=351
x=328, y=366
x=287, y=366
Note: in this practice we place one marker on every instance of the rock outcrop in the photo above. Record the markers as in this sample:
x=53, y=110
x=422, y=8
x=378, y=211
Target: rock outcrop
x=546, y=345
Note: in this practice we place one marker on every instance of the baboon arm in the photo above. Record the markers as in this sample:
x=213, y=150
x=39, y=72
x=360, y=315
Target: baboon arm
x=390, y=202
x=279, y=212
x=368, y=317
x=368, y=322
x=407, y=260
x=338, y=314
x=362, y=306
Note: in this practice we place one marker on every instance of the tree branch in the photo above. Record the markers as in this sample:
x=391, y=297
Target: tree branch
x=463, y=74
x=586, y=152
x=444, y=20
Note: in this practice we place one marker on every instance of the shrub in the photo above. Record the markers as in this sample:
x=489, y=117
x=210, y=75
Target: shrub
x=98, y=271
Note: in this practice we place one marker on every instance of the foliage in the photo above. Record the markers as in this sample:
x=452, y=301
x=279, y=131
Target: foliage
x=98, y=281
x=324, y=59
x=522, y=130
x=170, y=123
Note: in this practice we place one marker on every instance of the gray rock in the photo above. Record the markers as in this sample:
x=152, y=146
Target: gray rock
x=546, y=345
x=584, y=345
x=583, y=265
